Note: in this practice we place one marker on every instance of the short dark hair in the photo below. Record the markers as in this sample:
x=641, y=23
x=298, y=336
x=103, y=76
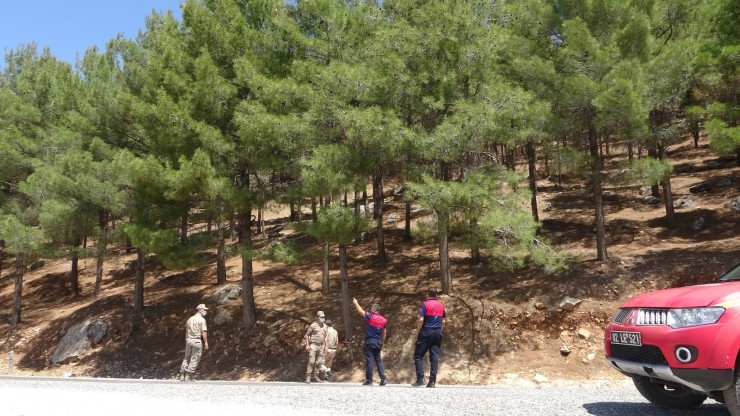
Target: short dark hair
x=375, y=307
x=432, y=292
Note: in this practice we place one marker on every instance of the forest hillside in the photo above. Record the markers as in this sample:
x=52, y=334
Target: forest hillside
x=503, y=326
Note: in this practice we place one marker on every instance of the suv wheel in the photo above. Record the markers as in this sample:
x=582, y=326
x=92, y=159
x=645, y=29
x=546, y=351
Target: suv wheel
x=732, y=396
x=667, y=395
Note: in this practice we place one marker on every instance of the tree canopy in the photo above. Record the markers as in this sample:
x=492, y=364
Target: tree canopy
x=202, y=122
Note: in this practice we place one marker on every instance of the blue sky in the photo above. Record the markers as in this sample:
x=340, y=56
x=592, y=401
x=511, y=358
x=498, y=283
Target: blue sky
x=69, y=27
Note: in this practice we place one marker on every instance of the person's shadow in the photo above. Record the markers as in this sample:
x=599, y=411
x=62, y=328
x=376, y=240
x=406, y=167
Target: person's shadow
x=647, y=409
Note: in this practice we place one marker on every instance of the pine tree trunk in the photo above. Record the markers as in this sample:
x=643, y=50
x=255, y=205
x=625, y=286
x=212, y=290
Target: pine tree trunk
x=443, y=224
x=546, y=160
x=346, y=299
x=653, y=152
x=510, y=159
x=100, y=261
x=249, y=310
x=531, y=156
x=559, y=164
x=377, y=197
x=599, y=221
x=221, y=255
x=325, y=271
x=75, y=273
x=695, y=133
x=102, y=246
x=378, y=215
x=15, y=317
x=444, y=255
x=261, y=221
x=630, y=151
x=670, y=213
x=139, y=282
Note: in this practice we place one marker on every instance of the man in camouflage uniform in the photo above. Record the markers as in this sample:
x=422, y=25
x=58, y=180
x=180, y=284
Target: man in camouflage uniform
x=316, y=347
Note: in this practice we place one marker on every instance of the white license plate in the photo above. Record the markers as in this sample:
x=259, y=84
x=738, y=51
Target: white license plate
x=626, y=338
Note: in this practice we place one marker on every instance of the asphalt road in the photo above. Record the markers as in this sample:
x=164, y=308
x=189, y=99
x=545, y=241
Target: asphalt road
x=29, y=396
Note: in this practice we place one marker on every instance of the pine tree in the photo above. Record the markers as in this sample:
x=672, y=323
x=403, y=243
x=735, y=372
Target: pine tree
x=245, y=108
x=720, y=30
x=600, y=50
x=24, y=243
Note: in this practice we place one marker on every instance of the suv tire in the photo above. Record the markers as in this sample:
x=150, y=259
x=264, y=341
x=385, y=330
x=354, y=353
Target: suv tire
x=667, y=395
x=732, y=396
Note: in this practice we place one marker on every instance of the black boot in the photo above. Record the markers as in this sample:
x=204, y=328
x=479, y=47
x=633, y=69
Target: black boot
x=419, y=383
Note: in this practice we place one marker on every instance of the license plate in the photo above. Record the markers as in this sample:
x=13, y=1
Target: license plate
x=626, y=338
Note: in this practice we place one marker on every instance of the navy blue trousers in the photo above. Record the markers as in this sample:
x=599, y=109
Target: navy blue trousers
x=373, y=347
x=429, y=340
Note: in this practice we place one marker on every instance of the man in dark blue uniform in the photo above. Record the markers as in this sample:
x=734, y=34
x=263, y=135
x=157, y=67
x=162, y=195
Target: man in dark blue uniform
x=374, y=339
x=429, y=337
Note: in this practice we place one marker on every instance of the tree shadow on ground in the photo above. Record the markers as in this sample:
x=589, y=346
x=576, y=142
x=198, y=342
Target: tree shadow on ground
x=596, y=278
x=716, y=226
x=647, y=409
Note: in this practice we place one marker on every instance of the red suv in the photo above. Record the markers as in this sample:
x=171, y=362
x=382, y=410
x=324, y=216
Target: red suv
x=681, y=345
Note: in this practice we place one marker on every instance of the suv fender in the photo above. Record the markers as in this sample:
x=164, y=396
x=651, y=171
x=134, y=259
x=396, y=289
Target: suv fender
x=727, y=345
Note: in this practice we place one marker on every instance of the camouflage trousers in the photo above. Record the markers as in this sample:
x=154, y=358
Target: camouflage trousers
x=315, y=360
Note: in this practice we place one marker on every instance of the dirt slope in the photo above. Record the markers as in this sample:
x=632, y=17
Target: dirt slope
x=501, y=326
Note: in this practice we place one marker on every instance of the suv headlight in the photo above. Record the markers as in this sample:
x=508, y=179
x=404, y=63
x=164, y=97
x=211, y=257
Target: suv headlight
x=682, y=318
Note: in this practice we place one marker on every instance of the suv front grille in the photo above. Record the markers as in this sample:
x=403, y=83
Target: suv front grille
x=652, y=317
x=648, y=354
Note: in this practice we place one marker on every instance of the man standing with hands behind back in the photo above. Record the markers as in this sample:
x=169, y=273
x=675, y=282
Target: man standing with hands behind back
x=196, y=339
x=374, y=339
x=332, y=343
x=429, y=337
